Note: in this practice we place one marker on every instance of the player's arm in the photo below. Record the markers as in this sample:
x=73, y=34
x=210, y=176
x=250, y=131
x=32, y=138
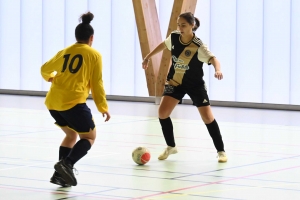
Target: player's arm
x=97, y=88
x=206, y=56
x=50, y=68
x=162, y=46
x=156, y=50
x=215, y=62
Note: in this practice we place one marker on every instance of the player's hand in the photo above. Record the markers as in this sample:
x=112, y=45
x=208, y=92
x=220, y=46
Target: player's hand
x=218, y=75
x=50, y=80
x=107, y=115
x=145, y=63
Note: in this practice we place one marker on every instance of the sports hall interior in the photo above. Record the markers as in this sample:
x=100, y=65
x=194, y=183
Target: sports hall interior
x=256, y=104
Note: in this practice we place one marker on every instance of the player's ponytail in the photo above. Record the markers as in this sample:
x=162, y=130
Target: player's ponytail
x=197, y=24
x=84, y=30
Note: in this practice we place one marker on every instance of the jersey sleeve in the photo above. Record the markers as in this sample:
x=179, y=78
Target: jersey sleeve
x=204, y=55
x=168, y=42
x=97, y=87
x=51, y=67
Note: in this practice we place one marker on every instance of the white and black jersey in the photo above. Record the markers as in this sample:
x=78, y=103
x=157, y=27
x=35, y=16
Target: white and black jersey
x=187, y=60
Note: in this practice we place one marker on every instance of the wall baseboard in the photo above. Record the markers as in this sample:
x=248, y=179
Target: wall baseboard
x=156, y=100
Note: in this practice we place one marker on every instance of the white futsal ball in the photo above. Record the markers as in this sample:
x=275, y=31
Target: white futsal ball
x=141, y=155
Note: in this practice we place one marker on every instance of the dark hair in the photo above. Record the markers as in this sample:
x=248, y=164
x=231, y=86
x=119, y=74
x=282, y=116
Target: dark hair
x=189, y=17
x=84, y=30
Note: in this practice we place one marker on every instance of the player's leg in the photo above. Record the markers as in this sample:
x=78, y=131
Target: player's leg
x=79, y=119
x=65, y=147
x=164, y=111
x=172, y=96
x=68, y=141
x=64, y=150
x=214, y=131
x=201, y=101
x=82, y=147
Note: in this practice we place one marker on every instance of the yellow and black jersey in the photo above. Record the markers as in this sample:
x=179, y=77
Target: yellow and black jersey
x=78, y=70
x=187, y=60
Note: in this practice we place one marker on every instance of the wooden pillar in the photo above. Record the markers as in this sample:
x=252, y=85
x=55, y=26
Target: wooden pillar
x=150, y=36
x=179, y=6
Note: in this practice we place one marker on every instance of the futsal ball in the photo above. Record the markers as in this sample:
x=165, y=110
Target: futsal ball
x=141, y=155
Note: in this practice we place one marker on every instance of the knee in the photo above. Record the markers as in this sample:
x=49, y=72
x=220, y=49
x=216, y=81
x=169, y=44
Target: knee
x=207, y=119
x=90, y=136
x=72, y=136
x=163, y=113
x=163, y=116
x=90, y=140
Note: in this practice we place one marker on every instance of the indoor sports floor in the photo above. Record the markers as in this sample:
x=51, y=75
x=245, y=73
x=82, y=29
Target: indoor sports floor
x=263, y=147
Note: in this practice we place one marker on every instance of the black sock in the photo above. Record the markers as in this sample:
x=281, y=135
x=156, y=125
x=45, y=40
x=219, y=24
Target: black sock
x=214, y=131
x=167, y=129
x=63, y=153
x=79, y=150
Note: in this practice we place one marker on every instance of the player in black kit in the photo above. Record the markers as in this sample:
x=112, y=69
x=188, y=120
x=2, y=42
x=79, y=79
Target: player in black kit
x=186, y=77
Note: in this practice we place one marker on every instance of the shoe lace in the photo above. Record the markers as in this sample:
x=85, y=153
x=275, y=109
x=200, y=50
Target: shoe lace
x=75, y=170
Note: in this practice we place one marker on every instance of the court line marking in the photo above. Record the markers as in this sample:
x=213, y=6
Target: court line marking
x=24, y=166
x=240, y=166
x=193, y=138
x=58, y=192
x=255, y=179
x=209, y=196
x=155, y=177
x=180, y=194
x=134, y=167
x=186, y=148
x=88, y=194
x=91, y=185
x=190, y=148
x=226, y=190
x=195, y=147
x=196, y=173
x=215, y=182
x=153, y=135
x=50, y=129
x=37, y=164
x=176, y=120
x=239, y=185
x=11, y=187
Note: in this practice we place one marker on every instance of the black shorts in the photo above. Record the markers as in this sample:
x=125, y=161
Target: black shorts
x=79, y=118
x=198, y=94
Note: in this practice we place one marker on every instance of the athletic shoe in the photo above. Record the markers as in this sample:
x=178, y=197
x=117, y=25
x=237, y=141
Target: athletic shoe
x=58, y=180
x=66, y=171
x=222, y=157
x=169, y=150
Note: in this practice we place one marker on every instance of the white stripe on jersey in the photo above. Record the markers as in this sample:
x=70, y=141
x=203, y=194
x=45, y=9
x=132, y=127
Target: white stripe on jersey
x=197, y=41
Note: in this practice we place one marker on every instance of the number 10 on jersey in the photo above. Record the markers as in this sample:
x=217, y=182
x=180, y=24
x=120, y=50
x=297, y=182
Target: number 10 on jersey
x=71, y=69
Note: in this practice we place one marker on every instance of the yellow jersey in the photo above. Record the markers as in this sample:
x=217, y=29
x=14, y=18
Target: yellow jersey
x=76, y=70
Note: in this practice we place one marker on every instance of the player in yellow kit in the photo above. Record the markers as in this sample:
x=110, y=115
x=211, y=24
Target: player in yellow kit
x=74, y=71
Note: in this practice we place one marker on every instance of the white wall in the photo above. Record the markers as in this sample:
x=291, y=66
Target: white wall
x=256, y=41
x=10, y=44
